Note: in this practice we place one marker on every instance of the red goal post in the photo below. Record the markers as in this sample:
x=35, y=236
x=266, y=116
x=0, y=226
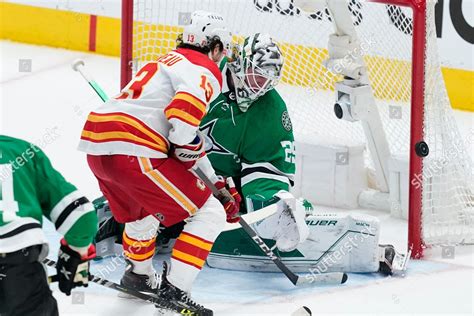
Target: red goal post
x=415, y=242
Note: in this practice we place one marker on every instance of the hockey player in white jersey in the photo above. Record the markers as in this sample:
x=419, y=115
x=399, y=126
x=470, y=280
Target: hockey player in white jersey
x=141, y=146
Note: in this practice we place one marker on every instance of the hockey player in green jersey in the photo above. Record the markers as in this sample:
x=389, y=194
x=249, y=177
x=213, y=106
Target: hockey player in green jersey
x=250, y=138
x=31, y=188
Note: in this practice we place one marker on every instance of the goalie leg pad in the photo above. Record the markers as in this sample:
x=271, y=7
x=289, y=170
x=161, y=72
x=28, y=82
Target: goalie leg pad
x=108, y=240
x=343, y=242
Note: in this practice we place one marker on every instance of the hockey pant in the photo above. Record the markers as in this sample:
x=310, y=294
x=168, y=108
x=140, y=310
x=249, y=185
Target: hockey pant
x=144, y=192
x=24, y=289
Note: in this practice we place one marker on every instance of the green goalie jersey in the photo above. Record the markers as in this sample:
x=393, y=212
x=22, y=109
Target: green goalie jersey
x=255, y=148
x=31, y=188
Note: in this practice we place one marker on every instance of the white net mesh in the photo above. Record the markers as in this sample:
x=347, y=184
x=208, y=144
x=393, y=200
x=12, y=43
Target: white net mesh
x=448, y=186
x=307, y=87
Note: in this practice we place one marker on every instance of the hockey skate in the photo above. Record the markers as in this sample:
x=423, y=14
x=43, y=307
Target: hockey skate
x=180, y=299
x=139, y=282
x=391, y=261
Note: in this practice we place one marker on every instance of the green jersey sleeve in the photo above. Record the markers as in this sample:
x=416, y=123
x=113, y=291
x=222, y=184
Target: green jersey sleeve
x=30, y=189
x=268, y=158
x=71, y=213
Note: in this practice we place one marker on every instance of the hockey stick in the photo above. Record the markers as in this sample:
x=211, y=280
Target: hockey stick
x=79, y=66
x=162, y=304
x=320, y=278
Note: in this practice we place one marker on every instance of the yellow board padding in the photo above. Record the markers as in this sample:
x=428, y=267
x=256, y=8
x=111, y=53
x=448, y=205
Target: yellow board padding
x=108, y=36
x=390, y=79
x=460, y=86
x=42, y=26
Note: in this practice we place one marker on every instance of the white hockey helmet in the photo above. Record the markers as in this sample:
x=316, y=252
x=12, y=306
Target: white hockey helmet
x=204, y=28
x=256, y=68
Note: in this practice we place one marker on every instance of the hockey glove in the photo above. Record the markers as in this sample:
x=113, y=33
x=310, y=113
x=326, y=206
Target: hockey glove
x=72, y=268
x=229, y=198
x=190, y=153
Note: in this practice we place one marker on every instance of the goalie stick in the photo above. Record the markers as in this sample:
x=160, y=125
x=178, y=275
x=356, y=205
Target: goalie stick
x=160, y=303
x=79, y=66
x=320, y=278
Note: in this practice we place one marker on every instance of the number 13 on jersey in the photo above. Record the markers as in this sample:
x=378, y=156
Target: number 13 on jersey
x=8, y=205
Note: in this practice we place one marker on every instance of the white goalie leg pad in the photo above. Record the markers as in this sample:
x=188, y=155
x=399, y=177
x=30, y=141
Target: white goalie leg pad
x=287, y=226
x=343, y=242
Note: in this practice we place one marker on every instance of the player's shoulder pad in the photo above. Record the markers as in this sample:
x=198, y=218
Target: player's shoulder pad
x=202, y=60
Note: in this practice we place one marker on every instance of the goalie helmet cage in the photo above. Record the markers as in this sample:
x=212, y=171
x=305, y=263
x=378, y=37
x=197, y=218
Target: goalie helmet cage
x=404, y=74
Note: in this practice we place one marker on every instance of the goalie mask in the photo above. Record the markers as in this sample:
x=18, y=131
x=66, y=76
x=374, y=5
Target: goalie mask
x=204, y=29
x=256, y=68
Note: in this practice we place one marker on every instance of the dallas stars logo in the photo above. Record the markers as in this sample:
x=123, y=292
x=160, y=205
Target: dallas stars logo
x=211, y=145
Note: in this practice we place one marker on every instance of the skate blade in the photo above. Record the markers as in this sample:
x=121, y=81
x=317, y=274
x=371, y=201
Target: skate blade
x=127, y=296
x=131, y=297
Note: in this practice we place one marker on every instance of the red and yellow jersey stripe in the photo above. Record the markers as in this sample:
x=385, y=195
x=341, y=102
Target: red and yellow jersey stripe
x=138, y=250
x=187, y=108
x=118, y=126
x=191, y=250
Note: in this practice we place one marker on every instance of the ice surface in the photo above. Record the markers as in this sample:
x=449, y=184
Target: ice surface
x=53, y=101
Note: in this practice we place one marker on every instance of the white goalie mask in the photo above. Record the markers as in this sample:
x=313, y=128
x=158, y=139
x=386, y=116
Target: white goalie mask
x=204, y=28
x=256, y=68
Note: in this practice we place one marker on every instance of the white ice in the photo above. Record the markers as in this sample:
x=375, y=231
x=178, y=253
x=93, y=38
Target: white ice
x=49, y=105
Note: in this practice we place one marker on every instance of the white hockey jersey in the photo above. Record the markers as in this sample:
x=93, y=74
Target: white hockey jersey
x=164, y=103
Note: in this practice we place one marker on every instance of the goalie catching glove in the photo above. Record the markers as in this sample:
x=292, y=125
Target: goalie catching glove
x=190, y=153
x=72, y=267
x=229, y=198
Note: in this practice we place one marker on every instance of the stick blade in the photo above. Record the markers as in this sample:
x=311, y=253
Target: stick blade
x=323, y=279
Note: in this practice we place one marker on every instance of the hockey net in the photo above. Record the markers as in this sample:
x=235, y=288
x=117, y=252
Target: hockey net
x=441, y=202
